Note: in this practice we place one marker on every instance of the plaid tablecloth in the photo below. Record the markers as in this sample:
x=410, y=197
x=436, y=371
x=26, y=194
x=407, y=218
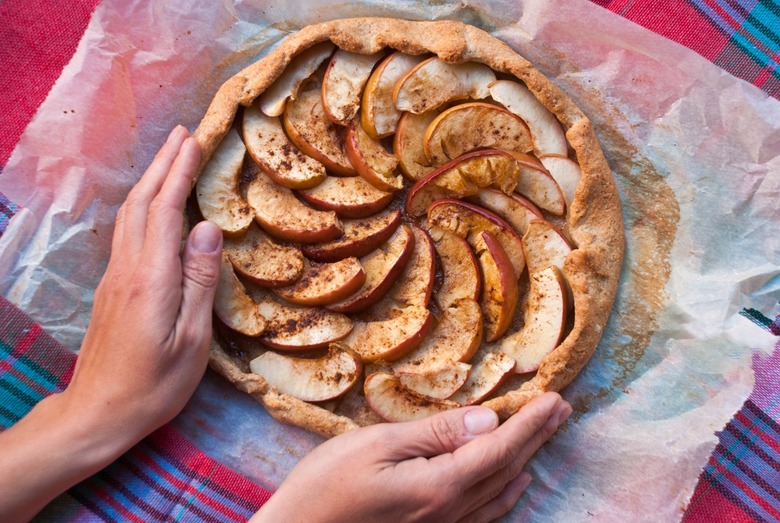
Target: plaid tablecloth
x=167, y=478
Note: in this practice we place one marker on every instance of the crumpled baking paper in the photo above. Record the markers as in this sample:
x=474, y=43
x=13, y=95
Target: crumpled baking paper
x=694, y=152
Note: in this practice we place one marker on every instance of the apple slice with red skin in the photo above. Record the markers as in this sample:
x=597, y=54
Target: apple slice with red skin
x=433, y=83
x=408, y=144
x=256, y=256
x=516, y=210
x=465, y=176
x=415, y=285
x=566, y=173
x=270, y=148
x=310, y=130
x=469, y=221
x=487, y=374
x=546, y=131
x=361, y=236
x=544, y=320
x=461, y=278
x=393, y=402
x=233, y=305
x=391, y=338
x=273, y=100
x=382, y=267
x=372, y=162
x=475, y=125
x=281, y=214
x=217, y=187
x=343, y=84
x=378, y=114
x=544, y=246
x=348, y=197
x=500, y=293
x=310, y=379
x=325, y=283
x=540, y=187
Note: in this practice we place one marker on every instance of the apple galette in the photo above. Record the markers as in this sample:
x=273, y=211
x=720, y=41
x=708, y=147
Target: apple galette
x=415, y=219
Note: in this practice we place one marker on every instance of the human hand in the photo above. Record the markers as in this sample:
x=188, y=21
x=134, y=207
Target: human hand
x=455, y=466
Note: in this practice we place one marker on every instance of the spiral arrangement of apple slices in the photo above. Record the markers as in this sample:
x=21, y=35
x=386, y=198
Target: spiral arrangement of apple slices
x=396, y=236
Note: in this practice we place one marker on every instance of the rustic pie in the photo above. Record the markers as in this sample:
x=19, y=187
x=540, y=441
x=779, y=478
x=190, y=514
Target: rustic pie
x=415, y=219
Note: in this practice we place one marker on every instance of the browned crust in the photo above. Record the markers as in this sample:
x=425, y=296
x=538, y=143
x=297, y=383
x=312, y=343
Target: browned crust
x=594, y=218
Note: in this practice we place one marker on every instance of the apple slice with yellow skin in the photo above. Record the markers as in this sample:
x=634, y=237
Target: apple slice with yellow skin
x=391, y=338
x=361, y=236
x=436, y=383
x=382, y=267
x=342, y=87
x=217, y=187
x=312, y=132
x=270, y=148
x=433, y=83
x=393, y=402
x=475, y=125
x=465, y=176
x=516, y=210
x=309, y=379
x=348, y=197
x=461, y=278
x=486, y=376
x=273, y=100
x=544, y=317
x=378, y=114
x=408, y=144
x=540, y=187
x=546, y=132
x=233, y=305
x=500, y=293
x=566, y=172
x=325, y=283
x=544, y=246
x=281, y=214
x=372, y=162
x=469, y=221
x=256, y=256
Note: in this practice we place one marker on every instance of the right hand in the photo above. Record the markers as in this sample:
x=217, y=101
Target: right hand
x=456, y=466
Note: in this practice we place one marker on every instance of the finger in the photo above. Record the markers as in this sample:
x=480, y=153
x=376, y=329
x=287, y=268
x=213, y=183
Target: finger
x=503, y=503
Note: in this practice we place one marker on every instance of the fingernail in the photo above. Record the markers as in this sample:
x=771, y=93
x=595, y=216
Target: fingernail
x=480, y=420
x=173, y=134
x=206, y=237
x=563, y=413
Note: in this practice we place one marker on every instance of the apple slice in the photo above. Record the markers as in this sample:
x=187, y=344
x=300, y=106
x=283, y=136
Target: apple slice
x=309, y=379
x=312, y=132
x=471, y=126
x=233, y=305
x=361, y=236
x=486, y=376
x=537, y=185
x=566, y=173
x=408, y=144
x=325, y=283
x=378, y=114
x=393, y=402
x=273, y=100
x=217, y=188
x=415, y=284
x=382, y=268
x=546, y=131
x=515, y=209
x=469, y=221
x=544, y=246
x=342, y=87
x=280, y=213
x=270, y=148
x=461, y=277
x=348, y=197
x=433, y=83
x=500, y=293
x=464, y=176
x=372, y=162
x=436, y=383
x=389, y=339
x=256, y=256
x=544, y=317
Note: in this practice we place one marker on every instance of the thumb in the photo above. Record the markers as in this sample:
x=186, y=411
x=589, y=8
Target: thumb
x=442, y=433
x=200, y=267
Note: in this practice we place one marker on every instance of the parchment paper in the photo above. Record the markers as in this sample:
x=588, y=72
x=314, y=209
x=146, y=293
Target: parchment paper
x=694, y=150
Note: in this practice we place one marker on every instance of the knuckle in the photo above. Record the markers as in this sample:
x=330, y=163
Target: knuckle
x=447, y=436
x=202, y=271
